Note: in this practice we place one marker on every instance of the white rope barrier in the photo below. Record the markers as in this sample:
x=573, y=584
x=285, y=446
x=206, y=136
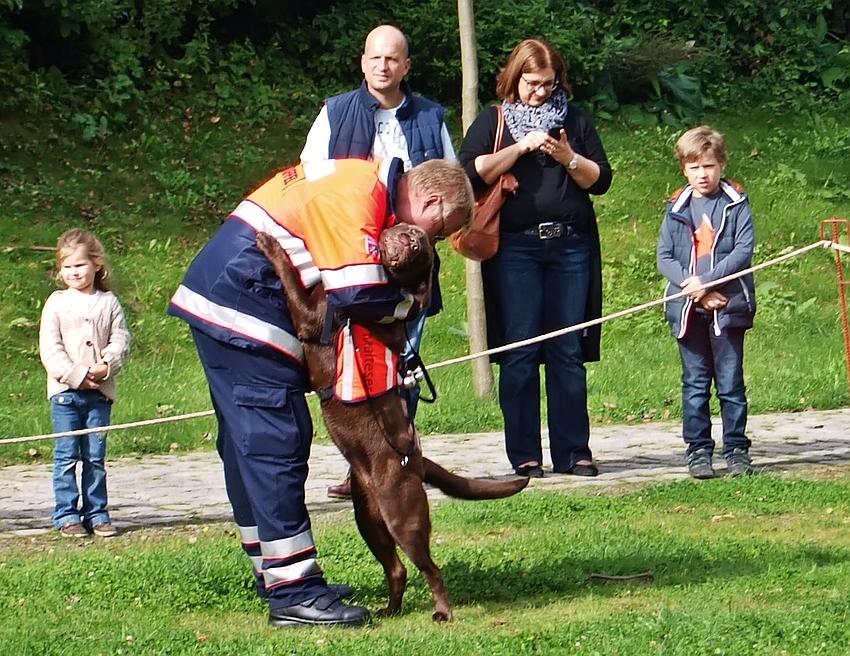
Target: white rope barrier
x=633, y=310
x=471, y=356
x=112, y=427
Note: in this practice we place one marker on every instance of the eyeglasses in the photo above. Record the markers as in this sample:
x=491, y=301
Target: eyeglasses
x=535, y=86
x=441, y=235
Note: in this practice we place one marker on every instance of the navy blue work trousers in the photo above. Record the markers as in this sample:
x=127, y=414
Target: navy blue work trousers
x=264, y=437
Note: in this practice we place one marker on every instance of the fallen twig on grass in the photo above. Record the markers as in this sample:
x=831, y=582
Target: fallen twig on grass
x=46, y=249
x=643, y=576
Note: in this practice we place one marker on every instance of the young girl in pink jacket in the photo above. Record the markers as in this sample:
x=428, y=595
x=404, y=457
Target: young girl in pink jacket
x=83, y=342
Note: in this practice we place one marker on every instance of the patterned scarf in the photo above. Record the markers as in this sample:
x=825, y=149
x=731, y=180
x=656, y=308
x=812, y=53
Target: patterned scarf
x=522, y=119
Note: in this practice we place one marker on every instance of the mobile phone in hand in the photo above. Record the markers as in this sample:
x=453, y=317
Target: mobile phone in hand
x=555, y=133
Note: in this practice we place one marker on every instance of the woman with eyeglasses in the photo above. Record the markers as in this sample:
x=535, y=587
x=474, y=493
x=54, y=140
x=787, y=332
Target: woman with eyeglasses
x=547, y=273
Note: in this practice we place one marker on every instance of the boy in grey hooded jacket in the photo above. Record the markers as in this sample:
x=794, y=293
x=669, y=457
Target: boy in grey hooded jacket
x=707, y=234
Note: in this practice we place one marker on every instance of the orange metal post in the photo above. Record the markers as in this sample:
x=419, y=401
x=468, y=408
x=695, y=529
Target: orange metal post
x=838, y=231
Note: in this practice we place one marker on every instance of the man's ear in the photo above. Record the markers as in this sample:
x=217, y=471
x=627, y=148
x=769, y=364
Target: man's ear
x=432, y=199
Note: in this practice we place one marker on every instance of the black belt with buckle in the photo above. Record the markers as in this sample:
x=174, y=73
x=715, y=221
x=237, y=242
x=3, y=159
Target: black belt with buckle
x=549, y=230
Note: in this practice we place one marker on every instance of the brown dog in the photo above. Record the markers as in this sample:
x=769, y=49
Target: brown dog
x=375, y=436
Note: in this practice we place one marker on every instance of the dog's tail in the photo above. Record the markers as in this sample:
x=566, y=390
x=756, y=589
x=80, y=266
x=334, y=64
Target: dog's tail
x=471, y=489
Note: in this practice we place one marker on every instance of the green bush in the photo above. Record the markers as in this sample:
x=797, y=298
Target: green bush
x=108, y=63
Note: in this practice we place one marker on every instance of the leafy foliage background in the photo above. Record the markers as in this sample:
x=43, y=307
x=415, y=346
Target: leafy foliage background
x=107, y=63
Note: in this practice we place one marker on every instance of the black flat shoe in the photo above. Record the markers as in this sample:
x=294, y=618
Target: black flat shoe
x=324, y=610
x=583, y=470
x=529, y=471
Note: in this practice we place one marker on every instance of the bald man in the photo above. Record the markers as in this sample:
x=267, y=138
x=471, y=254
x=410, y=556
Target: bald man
x=383, y=119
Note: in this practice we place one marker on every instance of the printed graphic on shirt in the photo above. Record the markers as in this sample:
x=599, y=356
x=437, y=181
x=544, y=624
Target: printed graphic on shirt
x=389, y=138
x=704, y=238
x=702, y=209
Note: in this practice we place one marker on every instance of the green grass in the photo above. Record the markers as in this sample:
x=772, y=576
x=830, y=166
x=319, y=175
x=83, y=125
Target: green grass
x=154, y=196
x=741, y=566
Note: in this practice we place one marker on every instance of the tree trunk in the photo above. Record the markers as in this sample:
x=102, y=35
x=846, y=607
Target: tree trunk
x=482, y=374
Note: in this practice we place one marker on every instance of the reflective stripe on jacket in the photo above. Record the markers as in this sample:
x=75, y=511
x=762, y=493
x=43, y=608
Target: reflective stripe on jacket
x=327, y=216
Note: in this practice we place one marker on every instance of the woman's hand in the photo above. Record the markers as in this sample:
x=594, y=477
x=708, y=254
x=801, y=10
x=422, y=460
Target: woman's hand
x=558, y=149
x=533, y=141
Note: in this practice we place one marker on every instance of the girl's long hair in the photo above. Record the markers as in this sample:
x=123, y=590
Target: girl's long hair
x=71, y=240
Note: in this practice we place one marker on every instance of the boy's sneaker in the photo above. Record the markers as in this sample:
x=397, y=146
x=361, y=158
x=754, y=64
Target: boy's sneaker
x=699, y=464
x=74, y=530
x=105, y=530
x=739, y=463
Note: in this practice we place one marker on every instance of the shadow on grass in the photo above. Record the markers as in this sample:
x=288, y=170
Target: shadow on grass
x=541, y=584
x=767, y=457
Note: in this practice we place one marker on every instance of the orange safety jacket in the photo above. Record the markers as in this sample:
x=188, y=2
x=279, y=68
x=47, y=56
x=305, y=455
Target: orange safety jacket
x=327, y=216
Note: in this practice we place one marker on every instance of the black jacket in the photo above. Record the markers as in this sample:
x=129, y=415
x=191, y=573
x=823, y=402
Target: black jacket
x=546, y=193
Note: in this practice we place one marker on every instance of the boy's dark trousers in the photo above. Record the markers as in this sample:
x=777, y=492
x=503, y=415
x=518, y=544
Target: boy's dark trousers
x=706, y=357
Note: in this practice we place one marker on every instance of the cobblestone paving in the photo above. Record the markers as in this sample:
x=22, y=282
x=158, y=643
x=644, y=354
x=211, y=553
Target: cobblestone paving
x=189, y=489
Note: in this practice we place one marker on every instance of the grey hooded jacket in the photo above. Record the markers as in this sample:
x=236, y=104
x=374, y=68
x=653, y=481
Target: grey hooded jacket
x=731, y=252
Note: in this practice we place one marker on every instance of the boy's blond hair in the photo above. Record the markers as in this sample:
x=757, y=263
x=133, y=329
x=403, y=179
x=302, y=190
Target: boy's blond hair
x=697, y=142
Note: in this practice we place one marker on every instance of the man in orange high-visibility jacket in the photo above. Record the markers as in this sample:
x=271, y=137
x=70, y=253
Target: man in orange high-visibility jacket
x=383, y=118
x=328, y=217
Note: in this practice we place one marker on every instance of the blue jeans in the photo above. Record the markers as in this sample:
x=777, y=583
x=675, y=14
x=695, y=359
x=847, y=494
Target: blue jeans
x=542, y=285
x=75, y=410
x=707, y=357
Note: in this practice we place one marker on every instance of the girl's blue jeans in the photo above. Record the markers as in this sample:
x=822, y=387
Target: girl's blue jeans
x=75, y=410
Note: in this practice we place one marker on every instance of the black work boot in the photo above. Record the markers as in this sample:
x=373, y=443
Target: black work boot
x=325, y=610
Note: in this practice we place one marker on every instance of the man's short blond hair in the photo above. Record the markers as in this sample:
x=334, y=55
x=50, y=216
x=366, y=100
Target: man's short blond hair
x=448, y=179
x=697, y=142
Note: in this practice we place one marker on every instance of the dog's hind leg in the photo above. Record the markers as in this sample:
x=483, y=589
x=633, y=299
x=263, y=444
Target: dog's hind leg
x=374, y=531
x=411, y=529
